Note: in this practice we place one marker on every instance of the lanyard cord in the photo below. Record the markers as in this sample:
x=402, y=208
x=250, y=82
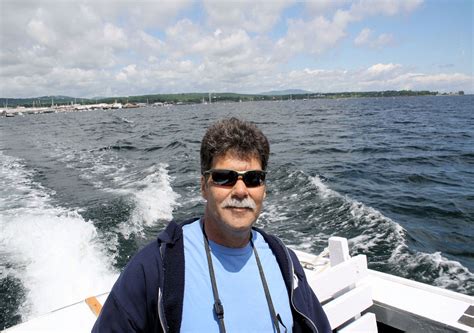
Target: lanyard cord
x=265, y=288
x=218, y=307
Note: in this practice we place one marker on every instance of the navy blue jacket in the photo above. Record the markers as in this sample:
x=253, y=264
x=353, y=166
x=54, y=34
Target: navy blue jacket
x=148, y=295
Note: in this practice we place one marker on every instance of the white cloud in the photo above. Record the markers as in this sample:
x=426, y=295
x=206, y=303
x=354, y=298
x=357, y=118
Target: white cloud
x=221, y=57
x=223, y=45
x=127, y=73
x=251, y=15
x=146, y=14
x=440, y=81
x=363, y=37
x=149, y=43
x=105, y=47
x=383, y=68
x=319, y=34
x=40, y=33
x=376, y=77
x=113, y=36
x=365, y=8
x=366, y=38
x=140, y=14
x=313, y=37
x=325, y=7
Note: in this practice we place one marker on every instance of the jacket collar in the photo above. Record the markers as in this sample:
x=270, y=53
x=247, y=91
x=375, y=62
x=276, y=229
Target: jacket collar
x=173, y=232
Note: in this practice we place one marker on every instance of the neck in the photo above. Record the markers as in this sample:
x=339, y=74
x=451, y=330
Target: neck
x=227, y=238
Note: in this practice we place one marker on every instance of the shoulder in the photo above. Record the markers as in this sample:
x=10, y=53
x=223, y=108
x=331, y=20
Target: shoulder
x=141, y=271
x=277, y=246
x=149, y=259
x=286, y=257
x=131, y=305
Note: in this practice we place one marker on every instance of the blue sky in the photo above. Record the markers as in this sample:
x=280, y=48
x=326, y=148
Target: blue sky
x=108, y=48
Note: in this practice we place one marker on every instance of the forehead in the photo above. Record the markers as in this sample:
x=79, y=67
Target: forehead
x=231, y=160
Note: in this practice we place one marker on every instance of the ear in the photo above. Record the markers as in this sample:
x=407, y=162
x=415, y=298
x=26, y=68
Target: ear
x=203, y=187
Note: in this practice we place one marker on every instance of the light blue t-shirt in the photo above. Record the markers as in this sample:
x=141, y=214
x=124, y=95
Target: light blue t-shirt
x=239, y=285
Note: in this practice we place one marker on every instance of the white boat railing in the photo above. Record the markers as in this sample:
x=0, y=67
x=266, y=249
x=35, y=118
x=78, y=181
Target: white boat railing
x=397, y=303
x=355, y=298
x=337, y=286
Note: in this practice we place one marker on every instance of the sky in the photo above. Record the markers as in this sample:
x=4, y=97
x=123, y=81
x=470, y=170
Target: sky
x=92, y=48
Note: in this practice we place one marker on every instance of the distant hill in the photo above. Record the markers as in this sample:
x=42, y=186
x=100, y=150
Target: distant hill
x=40, y=101
x=192, y=98
x=286, y=92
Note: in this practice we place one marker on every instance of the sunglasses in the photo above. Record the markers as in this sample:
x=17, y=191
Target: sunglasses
x=224, y=177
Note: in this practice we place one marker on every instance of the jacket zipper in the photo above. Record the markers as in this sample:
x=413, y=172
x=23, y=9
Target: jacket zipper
x=160, y=310
x=292, y=274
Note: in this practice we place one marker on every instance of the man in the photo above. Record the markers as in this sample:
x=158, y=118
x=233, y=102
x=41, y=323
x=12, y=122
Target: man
x=218, y=273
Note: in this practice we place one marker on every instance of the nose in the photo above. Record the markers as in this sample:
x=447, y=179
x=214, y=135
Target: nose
x=240, y=189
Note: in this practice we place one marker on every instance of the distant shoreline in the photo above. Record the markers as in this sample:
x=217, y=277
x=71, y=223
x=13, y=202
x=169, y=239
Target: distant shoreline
x=206, y=96
x=53, y=104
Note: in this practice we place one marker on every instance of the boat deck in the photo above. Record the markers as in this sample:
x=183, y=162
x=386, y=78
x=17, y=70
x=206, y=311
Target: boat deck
x=397, y=302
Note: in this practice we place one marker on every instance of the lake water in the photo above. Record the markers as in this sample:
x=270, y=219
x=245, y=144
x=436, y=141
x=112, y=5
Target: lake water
x=81, y=192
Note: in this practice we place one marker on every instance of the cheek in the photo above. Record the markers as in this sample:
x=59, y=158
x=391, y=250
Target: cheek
x=259, y=196
x=215, y=195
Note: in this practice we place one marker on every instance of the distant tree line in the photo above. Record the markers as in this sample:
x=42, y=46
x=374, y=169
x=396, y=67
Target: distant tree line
x=193, y=98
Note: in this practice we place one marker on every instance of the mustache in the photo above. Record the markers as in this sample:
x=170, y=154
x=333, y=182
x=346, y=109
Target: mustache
x=244, y=203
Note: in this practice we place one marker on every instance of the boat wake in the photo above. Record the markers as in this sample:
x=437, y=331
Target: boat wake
x=380, y=232
x=153, y=198
x=305, y=212
x=147, y=191
x=54, y=254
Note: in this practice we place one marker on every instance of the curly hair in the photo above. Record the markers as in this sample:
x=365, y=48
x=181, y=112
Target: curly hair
x=242, y=138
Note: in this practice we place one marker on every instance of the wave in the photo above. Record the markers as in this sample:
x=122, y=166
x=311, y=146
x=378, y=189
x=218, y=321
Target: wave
x=57, y=256
x=148, y=191
x=304, y=211
x=152, y=148
x=375, y=229
x=175, y=145
x=379, y=231
x=433, y=268
x=99, y=167
x=153, y=198
x=120, y=147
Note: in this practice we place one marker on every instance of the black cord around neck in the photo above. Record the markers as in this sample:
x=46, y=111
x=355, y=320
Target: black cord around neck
x=218, y=307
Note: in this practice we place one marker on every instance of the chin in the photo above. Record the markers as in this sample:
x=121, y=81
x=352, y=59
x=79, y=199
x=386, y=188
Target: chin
x=240, y=226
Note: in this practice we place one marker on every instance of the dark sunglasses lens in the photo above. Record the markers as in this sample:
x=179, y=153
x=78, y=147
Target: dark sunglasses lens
x=224, y=177
x=254, y=178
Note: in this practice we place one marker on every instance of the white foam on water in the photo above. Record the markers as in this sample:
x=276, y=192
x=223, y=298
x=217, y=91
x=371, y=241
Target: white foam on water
x=149, y=189
x=365, y=217
x=379, y=229
x=324, y=191
x=153, y=197
x=94, y=167
x=54, y=252
x=374, y=220
x=451, y=274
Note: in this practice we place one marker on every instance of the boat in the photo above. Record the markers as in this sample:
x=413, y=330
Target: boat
x=355, y=299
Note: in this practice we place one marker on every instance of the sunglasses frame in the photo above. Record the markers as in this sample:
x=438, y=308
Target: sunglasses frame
x=240, y=174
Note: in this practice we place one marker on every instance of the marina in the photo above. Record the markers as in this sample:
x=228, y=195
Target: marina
x=11, y=112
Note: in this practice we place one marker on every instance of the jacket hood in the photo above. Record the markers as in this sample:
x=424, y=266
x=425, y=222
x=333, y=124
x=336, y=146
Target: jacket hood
x=173, y=232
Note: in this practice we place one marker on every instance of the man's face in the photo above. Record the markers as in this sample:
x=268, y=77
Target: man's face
x=226, y=219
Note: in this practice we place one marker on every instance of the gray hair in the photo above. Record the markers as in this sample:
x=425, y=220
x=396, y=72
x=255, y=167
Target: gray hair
x=239, y=137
